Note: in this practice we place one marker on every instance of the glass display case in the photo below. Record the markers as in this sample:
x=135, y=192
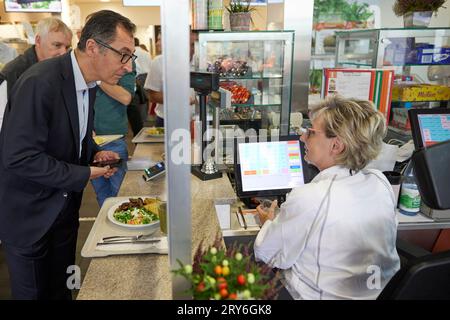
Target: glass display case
x=256, y=67
x=397, y=48
x=420, y=58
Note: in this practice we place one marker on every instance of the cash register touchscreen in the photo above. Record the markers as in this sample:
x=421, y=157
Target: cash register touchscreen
x=269, y=168
x=429, y=126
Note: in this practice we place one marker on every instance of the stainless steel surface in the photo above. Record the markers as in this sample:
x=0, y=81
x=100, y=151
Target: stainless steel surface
x=298, y=16
x=424, y=225
x=175, y=44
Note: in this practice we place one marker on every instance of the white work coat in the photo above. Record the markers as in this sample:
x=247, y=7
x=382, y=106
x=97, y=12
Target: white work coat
x=334, y=237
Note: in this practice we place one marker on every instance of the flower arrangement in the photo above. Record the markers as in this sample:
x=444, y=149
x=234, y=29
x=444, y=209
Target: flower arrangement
x=401, y=7
x=221, y=274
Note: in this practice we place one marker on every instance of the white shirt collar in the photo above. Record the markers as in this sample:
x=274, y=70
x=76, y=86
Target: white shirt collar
x=80, y=83
x=337, y=170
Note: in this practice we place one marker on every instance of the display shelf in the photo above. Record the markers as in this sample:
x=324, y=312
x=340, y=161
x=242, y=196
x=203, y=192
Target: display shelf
x=253, y=77
x=256, y=105
x=260, y=65
x=401, y=47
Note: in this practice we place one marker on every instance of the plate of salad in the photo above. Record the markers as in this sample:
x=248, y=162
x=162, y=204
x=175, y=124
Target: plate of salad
x=136, y=214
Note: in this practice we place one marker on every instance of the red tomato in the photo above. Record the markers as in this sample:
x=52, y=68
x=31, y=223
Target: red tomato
x=222, y=285
x=241, y=279
x=223, y=293
x=232, y=296
x=200, y=287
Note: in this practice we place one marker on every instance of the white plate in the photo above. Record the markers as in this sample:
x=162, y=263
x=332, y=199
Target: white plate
x=151, y=227
x=153, y=135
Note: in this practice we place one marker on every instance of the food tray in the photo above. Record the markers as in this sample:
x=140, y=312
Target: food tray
x=144, y=137
x=103, y=228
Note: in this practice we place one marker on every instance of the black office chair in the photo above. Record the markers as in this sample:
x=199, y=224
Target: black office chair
x=426, y=277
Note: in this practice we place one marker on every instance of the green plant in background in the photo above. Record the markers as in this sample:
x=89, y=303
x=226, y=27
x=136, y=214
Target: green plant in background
x=326, y=8
x=349, y=12
x=41, y=5
x=238, y=6
x=221, y=274
x=401, y=7
x=357, y=12
x=315, y=80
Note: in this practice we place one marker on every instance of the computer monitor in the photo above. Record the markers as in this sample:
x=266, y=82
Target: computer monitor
x=429, y=126
x=269, y=168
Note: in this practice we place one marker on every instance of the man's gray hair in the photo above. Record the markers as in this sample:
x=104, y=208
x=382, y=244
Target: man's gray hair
x=47, y=25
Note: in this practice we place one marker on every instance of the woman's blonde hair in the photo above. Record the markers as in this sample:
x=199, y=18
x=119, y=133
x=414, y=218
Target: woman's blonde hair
x=359, y=126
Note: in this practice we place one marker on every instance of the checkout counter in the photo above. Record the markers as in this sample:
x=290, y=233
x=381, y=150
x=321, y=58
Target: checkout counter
x=147, y=276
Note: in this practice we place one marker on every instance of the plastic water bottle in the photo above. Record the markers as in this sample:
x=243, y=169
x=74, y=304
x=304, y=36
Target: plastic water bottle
x=409, y=203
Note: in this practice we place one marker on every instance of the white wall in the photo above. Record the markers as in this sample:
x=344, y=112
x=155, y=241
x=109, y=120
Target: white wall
x=141, y=16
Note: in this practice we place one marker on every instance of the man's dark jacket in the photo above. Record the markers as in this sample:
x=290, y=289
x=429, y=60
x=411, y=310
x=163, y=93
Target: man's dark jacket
x=40, y=166
x=15, y=68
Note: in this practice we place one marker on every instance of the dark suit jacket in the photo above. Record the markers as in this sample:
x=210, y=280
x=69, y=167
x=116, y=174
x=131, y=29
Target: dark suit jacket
x=39, y=148
x=14, y=69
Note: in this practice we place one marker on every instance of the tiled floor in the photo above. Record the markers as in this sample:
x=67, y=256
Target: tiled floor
x=88, y=211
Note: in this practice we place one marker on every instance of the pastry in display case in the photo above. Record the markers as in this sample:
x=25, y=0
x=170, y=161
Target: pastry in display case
x=255, y=67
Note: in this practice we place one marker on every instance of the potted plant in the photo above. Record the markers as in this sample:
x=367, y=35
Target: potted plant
x=417, y=13
x=220, y=274
x=240, y=15
x=356, y=15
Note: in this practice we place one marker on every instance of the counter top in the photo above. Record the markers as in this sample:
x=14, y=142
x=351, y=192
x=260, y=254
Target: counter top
x=147, y=276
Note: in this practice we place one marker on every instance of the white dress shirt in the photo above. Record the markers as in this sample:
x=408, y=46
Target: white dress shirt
x=82, y=91
x=3, y=100
x=333, y=235
x=155, y=82
x=143, y=61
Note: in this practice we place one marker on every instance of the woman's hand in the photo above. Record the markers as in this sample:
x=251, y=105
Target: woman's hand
x=266, y=213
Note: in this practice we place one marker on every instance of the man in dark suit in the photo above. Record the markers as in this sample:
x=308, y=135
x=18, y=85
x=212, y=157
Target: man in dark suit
x=46, y=147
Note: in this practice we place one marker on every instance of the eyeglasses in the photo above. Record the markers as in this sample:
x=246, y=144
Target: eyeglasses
x=308, y=132
x=125, y=56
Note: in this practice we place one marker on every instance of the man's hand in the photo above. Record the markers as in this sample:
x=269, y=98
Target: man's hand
x=106, y=172
x=267, y=213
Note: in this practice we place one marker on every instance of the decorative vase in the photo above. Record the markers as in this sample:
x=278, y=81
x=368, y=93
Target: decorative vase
x=240, y=21
x=419, y=19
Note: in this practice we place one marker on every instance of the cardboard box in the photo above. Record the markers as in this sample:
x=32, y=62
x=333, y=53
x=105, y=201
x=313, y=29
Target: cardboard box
x=420, y=92
x=433, y=55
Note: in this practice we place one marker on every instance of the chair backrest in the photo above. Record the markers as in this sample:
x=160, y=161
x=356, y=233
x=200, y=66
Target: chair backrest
x=424, y=278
